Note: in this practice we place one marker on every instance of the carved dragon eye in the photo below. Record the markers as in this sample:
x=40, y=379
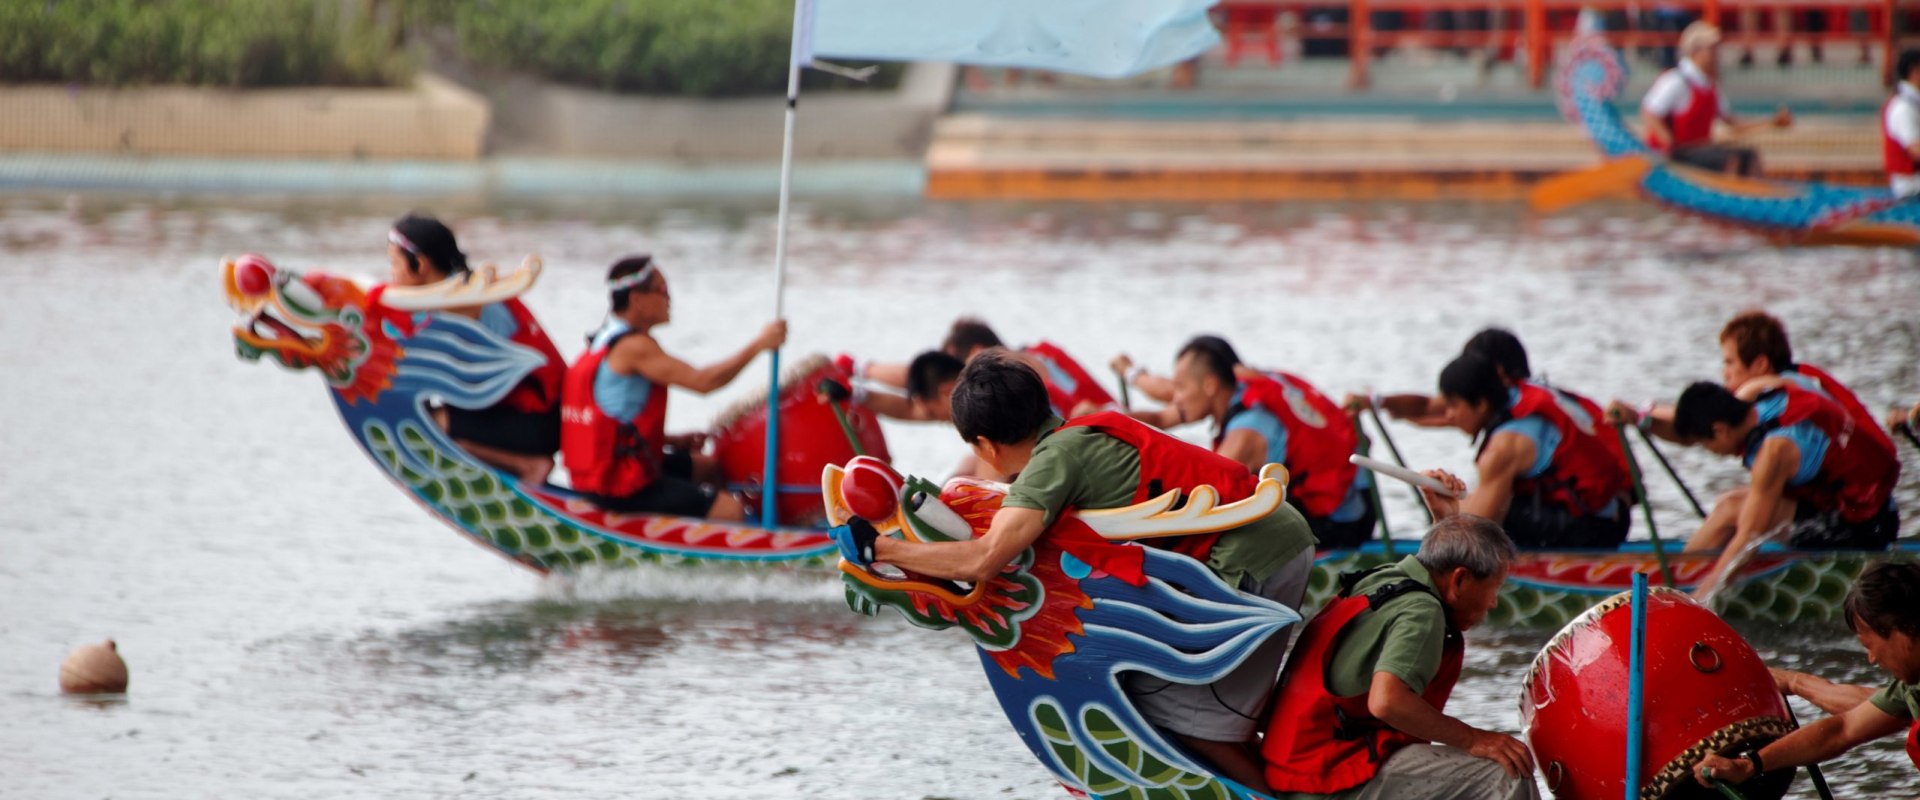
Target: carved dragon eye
x=253, y=275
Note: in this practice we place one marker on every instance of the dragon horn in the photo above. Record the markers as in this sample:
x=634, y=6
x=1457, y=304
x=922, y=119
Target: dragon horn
x=476, y=287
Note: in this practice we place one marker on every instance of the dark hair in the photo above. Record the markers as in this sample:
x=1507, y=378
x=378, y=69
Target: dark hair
x=1215, y=356
x=1703, y=404
x=928, y=370
x=431, y=240
x=629, y=266
x=1886, y=598
x=1758, y=333
x=967, y=334
x=1502, y=348
x=1000, y=399
x=1473, y=378
x=1909, y=61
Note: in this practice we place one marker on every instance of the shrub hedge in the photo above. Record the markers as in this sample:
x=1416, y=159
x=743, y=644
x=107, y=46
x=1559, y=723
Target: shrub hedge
x=209, y=42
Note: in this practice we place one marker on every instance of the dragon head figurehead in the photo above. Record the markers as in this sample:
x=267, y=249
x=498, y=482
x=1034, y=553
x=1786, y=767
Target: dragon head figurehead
x=359, y=337
x=1058, y=626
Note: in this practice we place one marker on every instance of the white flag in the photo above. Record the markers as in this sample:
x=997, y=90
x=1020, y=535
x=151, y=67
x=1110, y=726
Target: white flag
x=1101, y=38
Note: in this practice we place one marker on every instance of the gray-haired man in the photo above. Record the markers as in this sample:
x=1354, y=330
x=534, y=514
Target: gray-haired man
x=1361, y=706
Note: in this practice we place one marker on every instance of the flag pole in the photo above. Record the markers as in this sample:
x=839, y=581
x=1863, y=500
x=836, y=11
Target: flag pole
x=770, y=478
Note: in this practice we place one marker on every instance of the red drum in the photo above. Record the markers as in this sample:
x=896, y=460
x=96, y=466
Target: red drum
x=810, y=439
x=1705, y=690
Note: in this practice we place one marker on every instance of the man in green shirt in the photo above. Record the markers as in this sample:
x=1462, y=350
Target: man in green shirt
x=1109, y=461
x=1361, y=713
x=1883, y=609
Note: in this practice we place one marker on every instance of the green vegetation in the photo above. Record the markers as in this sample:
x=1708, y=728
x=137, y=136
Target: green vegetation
x=208, y=42
x=704, y=48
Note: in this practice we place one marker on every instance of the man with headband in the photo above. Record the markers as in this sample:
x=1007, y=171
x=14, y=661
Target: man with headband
x=613, y=419
x=521, y=432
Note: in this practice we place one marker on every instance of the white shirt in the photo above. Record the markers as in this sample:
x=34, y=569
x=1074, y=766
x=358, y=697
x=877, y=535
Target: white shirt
x=1673, y=89
x=1903, y=126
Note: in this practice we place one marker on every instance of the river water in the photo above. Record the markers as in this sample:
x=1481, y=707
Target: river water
x=296, y=628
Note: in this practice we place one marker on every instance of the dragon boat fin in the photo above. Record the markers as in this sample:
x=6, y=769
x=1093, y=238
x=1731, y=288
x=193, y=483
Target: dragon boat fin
x=476, y=287
x=1614, y=178
x=1201, y=513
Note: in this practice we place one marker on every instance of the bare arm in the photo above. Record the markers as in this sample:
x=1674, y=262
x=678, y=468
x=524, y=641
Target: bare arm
x=1657, y=131
x=1246, y=447
x=1659, y=419
x=1391, y=701
x=976, y=560
x=1812, y=744
x=896, y=406
x=894, y=375
x=1506, y=457
x=1833, y=698
x=641, y=355
x=1754, y=387
x=1771, y=468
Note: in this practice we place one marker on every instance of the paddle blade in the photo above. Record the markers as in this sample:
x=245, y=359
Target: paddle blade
x=1618, y=177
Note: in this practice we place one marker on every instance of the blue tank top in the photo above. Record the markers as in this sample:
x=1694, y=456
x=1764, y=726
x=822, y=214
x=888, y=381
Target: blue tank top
x=621, y=397
x=1805, y=435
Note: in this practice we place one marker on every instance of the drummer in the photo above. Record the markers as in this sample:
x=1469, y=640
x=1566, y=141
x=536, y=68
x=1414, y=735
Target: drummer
x=1883, y=610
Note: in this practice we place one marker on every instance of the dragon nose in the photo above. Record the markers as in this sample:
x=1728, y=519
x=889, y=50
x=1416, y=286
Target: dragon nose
x=871, y=489
x=253, y=275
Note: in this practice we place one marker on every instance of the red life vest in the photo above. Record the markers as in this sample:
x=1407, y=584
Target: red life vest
x=1693, y=123
x=1587, y=471
x=1320, y=437
x=1913, y=743
x=607, y=456
x=1068, y=385
x=1898, y=160
x=1857, y=475
x=540, y=390
x=1839, y=393
x=1167, y=463
x=1317, y=742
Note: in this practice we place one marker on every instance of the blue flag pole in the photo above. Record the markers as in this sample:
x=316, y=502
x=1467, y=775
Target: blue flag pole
x=770, y=478
x=1636, y=684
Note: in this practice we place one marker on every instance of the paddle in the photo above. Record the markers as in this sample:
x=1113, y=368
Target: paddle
x=1395, y=450
x=1906, y=429
x=1125, y=402
x=1640, y=496
x=1668, y=466
x=1402, y=473
x=1363, y=446
x=1618, y=177
x=1813, y=770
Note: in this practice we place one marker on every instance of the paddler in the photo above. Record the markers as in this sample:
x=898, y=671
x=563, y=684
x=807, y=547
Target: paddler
x=1548, y=469
x=613, y=422
x=1883, y=610
x=521, y=432
x=1069, y=387
x=1682, y=105
x=1261, y=418
x=1811, y=467
x=1361, y=711
x=1900, y=127
x=1509, y=357
x=915, y=391
x=1108, y=460
x=1755, y=354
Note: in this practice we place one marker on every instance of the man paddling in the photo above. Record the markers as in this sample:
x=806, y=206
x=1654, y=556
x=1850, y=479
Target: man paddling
x=1755, y=354
x=1550, y=471
x=1883, y=611
x=1900, y=128
x=1262, y=418
x=613, y=420
x=1108, y=460
x=1811, y=465
x=1682, y=105
x=915, y=391
x=1069, y=387
x=1361, y=711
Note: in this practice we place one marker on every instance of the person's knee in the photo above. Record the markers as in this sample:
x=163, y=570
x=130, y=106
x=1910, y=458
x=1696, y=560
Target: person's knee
x=726, y=508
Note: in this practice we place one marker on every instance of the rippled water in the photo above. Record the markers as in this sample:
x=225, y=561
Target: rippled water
x=296, y=628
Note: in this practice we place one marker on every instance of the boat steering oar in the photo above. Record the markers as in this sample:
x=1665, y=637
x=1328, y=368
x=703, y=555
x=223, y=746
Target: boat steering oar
x=1668, y=466
x=1646, y=508
x=1395, y=450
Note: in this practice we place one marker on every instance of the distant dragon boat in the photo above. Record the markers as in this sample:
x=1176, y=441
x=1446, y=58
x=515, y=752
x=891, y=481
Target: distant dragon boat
x=384, y=357
x=1798, y=212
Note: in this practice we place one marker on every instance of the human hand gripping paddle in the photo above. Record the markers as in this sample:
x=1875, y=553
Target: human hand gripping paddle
x=1433, y=484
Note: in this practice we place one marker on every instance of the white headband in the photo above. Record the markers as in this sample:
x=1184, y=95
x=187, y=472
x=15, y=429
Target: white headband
x=406, y=244
x=630, y=281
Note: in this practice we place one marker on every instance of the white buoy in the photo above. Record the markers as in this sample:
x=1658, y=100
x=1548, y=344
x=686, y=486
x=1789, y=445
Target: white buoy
x=94, y=669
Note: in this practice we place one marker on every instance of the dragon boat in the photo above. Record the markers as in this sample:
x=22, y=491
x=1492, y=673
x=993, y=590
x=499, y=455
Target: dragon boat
x=1587, y=85
x=384, y=356
x=1054, y=634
